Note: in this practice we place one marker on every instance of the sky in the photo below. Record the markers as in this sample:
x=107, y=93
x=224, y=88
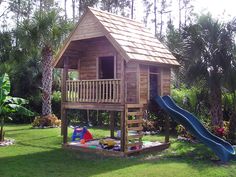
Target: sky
x=216, y=7
x=220, y=9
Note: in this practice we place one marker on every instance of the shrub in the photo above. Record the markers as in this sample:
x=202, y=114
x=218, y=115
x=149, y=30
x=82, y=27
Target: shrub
x=150, y=125
x=46, y=121
x=56, y=103
x=181, y=131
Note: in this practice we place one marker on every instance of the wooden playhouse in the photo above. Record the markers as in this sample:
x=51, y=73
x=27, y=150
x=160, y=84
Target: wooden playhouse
x=121, y=67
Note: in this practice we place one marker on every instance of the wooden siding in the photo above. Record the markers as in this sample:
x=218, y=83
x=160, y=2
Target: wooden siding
x=144, y=89
x=89, y=27
x=88, y=61
x=131, y=82
x=165, y=77
x=118, y=66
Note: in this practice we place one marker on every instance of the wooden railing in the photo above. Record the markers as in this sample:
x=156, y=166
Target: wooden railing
x=99, y=91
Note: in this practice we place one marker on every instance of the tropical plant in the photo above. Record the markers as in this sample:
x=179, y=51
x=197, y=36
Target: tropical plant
x=45, y=30
x=9, y=104
x=208, y=53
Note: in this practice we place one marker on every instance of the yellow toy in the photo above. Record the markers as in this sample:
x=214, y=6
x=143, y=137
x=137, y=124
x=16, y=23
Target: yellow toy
x=107, y=143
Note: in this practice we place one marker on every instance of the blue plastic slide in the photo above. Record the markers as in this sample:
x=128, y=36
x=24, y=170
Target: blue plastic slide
x=222, y=148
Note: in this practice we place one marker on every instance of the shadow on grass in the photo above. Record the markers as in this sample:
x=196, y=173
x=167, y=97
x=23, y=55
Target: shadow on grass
x=60, y=162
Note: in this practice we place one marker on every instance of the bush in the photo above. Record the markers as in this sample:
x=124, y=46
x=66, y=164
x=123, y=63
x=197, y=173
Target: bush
x=56, y=103
x=192, y=99
x=46, y=121
x=156, y=115
x=150, y=125
x=181, y=131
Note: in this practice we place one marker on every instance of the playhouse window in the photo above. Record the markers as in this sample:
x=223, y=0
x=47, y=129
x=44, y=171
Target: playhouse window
x=106, y=67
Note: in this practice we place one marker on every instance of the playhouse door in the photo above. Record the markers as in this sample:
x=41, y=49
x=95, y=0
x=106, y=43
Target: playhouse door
x=106, y=67
x=153, y=85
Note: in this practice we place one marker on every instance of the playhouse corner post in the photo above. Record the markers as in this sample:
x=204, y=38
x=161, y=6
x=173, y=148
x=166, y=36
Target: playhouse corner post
x=167, y=129
x=64, y=127
x=112, y=123
x=123, y=132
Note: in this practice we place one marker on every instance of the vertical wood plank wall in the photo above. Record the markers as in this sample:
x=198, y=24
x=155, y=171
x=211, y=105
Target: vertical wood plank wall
x=131, y=77
x=144, y=88
x=163, y=82
x=88, y=28
x=166, y=81
x=88, y=61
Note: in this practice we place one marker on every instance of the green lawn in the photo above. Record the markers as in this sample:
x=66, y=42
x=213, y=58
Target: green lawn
x=38, y=152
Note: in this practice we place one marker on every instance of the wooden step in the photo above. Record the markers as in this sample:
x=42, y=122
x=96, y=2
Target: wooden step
x=135, y=136
x=134, y=113
x=135, y=128
x=136, y=121
x=134, y=105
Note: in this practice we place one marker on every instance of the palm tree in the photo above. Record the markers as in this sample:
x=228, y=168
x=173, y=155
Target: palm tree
x=208, y=47
x=44, y=31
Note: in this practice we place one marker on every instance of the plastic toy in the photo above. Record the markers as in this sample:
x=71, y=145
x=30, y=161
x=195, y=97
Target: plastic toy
x=82, y=141
x=81, y=133
x=107, y=143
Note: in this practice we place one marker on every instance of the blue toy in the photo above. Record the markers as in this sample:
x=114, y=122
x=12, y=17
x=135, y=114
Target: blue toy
x=81, y=133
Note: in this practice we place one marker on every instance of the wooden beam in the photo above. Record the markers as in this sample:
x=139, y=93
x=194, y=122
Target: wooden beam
x=63, y=79
x=94, y=106
x=123, y=132
x=122, y=86
x=64, y=126
x=167, y=127
x=112, y=123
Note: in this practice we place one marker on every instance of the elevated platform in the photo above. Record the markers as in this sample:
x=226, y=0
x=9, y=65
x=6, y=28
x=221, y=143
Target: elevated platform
x=94, y=106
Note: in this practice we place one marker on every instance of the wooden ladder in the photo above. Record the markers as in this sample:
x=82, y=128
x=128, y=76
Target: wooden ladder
x=133, y=126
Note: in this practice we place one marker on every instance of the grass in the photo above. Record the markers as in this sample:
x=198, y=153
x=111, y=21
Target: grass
x=38, y=152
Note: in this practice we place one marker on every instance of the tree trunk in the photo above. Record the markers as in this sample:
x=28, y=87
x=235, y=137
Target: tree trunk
x=65, y=2
x=180, y=9
x=132, y=9
x=1, y=130
x=155, y=16
x=216, y=105
x=73, y=10
x=46, y=80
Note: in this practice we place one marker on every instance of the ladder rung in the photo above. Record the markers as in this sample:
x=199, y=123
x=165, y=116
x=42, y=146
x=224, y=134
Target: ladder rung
x=135, y=136
x=137, y=121
x=135, y=128
x=134, y=113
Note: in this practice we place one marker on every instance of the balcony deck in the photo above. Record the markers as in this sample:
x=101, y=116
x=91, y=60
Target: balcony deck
x=101, y=94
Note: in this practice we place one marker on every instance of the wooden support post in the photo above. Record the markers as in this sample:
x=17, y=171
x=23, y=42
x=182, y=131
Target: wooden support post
x=123, y=132
x=167, y=127
x=64, y=77
x=87, y=114
x=112, y=123
x=64, y=126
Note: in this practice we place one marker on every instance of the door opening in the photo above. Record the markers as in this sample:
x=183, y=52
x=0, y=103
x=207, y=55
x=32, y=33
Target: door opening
x=153, y=87
x=106, y=67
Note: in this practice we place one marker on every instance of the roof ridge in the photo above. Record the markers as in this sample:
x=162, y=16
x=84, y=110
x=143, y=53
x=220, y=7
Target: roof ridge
x=119, y=16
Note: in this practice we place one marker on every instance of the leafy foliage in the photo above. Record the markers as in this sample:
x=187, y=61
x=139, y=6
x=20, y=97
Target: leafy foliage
x=9, y=104
x=46, y=121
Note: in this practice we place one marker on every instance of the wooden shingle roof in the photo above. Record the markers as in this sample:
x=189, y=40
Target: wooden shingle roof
x=130, y=38
x=136, y=40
